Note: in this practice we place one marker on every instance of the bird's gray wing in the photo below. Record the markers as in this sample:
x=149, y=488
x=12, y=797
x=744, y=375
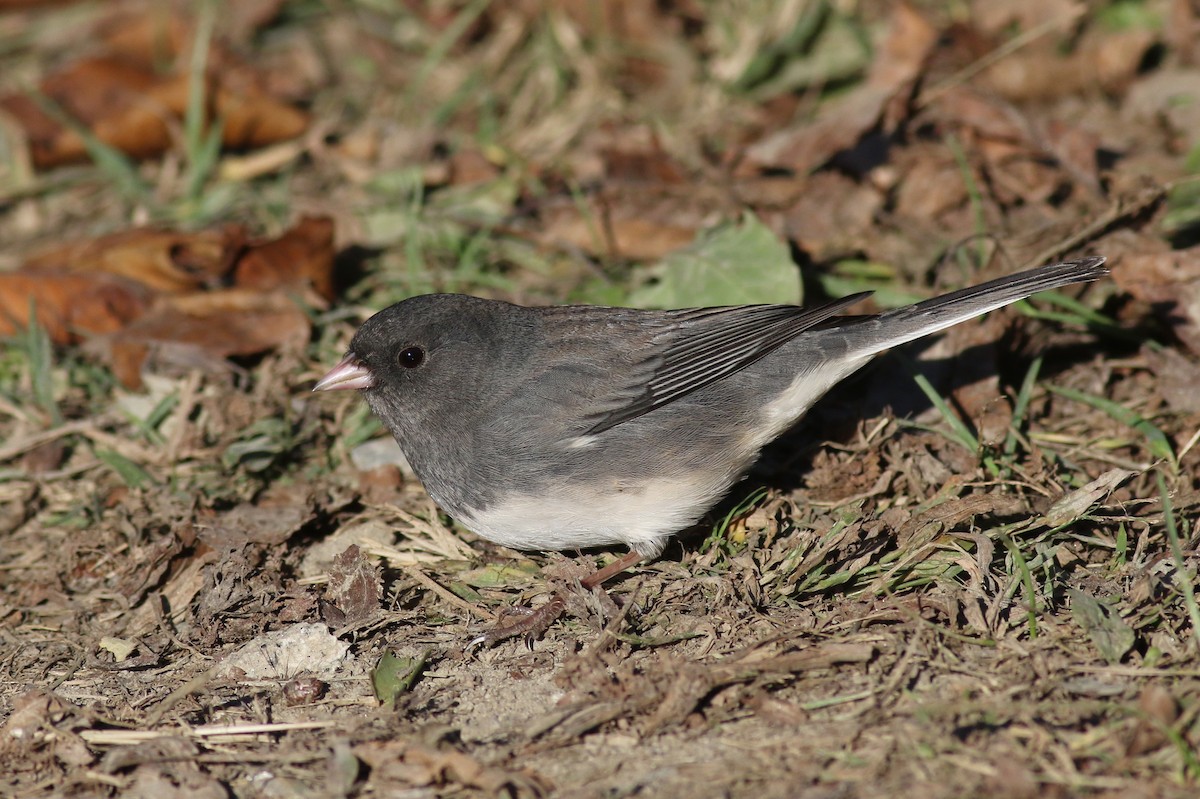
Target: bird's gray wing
x=684, y=351
x=621, y=363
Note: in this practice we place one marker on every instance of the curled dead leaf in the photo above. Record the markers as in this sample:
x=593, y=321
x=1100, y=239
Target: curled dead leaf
x=197, y=331
x=167, y=261
x=145, y=39
x=833, y=216
x=253, y=119
x=301, y=257
x=1074, y=504
x=164, y=294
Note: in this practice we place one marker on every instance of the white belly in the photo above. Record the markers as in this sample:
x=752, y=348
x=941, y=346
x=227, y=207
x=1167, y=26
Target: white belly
x=577, y=517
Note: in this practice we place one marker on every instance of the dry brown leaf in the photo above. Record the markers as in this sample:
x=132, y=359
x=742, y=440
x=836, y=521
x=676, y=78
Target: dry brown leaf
x=197, y=331
x=355, y=586
x=269, y=524
x=1168, y=97
x=995, y=18
x=1158, y=711
x=111, y=98
x=69, y=305
x=1016, y=150
x=143, y=39
x=245, y=310
x=152, y=40
x=1175, y=379
x=253, y=119
x=302, y=257
x=167, y=261
x=1021, y=177
x=40, y=721
x=128, y=103
x=1170, y=283
x=640, y=164
x=1075, y=148
x=397, y=762
x=157, y=292
x=932, y=183
x=174, y=262
x=1039, y=72
x=469, y=166
x=639, y=238
x=978, y=115
x=833, y=216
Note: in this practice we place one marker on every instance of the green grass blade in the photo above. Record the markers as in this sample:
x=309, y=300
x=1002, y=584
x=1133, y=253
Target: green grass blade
x=1156, y=440
x=1026, y=582
x=202, y=142
x=961, y=433
x=1186, y=579
x=440, y=48
x=121, y=171
x=974, y=195
x=130, y=473
x=1078, y=314
x=1021, y=406
x=40, y=354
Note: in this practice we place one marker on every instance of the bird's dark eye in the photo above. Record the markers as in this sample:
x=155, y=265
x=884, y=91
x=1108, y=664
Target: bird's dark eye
x=411, y=357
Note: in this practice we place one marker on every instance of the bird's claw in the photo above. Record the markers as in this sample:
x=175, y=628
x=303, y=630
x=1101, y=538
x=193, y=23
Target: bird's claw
x=530, y=622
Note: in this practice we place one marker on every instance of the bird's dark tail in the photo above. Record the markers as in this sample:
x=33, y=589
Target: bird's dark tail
x=868, y=336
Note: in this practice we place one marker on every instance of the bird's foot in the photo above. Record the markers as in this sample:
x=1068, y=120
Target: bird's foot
x=529, y=622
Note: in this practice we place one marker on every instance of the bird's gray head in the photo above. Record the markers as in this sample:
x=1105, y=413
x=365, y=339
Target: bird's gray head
x=437, y=351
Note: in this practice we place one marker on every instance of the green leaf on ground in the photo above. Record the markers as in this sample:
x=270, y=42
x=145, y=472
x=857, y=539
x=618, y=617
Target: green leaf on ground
x=394, y=675
x=1108, y=631
x=130, y=473
x=732, y=264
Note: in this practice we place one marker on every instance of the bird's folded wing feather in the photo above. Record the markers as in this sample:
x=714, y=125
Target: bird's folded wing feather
x=693, y=348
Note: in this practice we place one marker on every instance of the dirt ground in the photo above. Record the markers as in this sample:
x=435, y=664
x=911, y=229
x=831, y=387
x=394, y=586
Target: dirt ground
x=977, y=582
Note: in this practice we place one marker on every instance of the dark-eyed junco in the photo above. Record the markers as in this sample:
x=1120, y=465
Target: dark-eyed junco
x=580, y=426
